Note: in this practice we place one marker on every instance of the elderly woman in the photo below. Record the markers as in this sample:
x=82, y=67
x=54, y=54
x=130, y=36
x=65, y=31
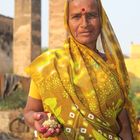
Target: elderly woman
x=77, y=92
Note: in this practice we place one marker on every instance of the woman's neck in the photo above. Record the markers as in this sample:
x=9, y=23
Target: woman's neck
x=92, y=46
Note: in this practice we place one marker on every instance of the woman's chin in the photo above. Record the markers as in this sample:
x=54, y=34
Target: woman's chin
x=85, y=41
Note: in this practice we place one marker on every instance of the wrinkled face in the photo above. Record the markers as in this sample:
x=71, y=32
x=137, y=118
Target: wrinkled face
x=84, y=21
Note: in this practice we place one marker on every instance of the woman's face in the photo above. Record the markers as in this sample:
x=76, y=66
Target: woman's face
x=84, y=21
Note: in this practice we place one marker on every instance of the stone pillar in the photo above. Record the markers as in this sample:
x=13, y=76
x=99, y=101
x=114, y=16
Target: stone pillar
x=135, y=51
x=57, y=33
x=27, y=34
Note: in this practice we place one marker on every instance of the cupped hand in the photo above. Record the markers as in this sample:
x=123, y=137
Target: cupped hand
x=48, y=126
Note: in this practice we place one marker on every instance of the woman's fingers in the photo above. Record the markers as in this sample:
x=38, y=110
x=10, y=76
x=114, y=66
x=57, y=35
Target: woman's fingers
x=57, y=130
x=37, y=116
x=43, y=129
x=50, y=132
x=46, y=124
x=38, y=127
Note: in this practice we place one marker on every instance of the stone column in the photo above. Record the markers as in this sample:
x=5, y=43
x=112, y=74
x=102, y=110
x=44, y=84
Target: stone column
x=27, y=34
x=57, y=33
x=135, y=51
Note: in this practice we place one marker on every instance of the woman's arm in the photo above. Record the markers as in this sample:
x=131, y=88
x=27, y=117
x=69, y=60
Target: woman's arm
x=35, y=116
x=32, y=106
x=125, y=133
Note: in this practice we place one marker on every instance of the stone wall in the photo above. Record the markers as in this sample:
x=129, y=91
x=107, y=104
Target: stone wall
x=133, y=62
x=135, y=51
x=133, y=66
x=6, y=41
x=6, y=24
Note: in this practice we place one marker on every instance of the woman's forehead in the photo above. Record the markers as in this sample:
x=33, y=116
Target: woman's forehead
x=79, y=5
x=94, y=2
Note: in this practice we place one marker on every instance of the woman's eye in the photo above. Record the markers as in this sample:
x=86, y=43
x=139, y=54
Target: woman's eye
x=92, y=15
x=76, y=17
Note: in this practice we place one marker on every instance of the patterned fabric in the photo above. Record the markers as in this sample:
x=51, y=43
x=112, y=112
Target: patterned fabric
x=83, y=91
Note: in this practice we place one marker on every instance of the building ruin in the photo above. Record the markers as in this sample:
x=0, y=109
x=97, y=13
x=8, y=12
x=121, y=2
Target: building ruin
x=6, y=42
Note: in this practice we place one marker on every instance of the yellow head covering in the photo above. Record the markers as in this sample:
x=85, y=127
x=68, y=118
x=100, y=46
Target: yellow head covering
x=114, y=55
x=109, y=42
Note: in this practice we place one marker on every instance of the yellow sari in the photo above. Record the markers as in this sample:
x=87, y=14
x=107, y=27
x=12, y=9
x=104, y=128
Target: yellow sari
x=83, y=91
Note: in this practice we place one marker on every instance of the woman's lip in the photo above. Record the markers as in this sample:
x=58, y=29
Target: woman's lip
x=85, y=33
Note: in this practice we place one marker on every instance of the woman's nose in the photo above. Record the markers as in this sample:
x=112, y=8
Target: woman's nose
x=84, y=22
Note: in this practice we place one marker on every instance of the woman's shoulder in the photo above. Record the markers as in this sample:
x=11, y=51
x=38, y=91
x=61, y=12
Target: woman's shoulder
x=46, y=58
x=49, y=55
x=51, y=52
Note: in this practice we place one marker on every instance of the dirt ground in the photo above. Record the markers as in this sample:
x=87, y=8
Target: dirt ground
x=10, y=136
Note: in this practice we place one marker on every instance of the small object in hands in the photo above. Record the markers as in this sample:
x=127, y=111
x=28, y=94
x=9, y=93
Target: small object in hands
x=50, y=125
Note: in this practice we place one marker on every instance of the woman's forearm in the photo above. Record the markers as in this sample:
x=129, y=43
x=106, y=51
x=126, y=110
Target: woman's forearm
x=32, y=106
